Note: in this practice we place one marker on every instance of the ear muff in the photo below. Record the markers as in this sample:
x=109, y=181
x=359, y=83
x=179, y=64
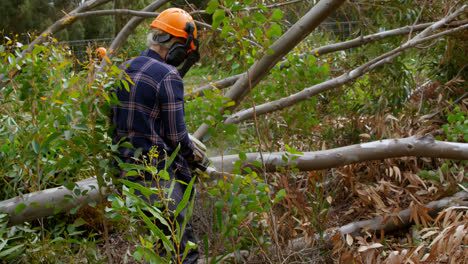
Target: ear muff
x=178, y=52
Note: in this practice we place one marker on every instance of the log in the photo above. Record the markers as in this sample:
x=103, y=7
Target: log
x=402, y=219
x=386, y=224
x=425, y=146
x=294, y=35
x=46, y=202
x=50, y=201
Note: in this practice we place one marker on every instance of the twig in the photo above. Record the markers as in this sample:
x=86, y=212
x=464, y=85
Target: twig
x=452, y=104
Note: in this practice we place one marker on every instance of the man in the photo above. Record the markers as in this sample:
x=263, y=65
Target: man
x=151, y=114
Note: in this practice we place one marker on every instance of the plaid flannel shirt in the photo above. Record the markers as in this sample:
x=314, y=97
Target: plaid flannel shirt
x=152, y=112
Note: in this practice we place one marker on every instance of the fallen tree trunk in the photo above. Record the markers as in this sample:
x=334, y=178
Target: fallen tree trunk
x=403, y=219
x=300, y=30
x=308, y=93
x=47, y=202
x=386, y=223
x=425, y=146
x=50, y=201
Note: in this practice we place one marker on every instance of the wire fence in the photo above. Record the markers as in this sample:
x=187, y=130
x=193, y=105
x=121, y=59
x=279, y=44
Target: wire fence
x=84, y=49
x=341, y=29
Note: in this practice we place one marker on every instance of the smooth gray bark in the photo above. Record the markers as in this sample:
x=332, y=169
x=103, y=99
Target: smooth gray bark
x=281, y=47
x=123, y=35
x=388, y=223
x=339, y=81
x=403, y=218
x=425, y=146
x=46, y=202
x=320, y=51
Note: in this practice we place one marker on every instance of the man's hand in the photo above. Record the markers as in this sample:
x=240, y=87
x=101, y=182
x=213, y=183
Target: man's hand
x=200, y=160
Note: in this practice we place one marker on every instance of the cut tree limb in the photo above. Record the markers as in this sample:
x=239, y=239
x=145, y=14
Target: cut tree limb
x=320, y=51
x=46, y=202
x=128, y=29
x=307, y=93
x=425, y=146
x=402, y=219
x=385, y=223
x=281, y=47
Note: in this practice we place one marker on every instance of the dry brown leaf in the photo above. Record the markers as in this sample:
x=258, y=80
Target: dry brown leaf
x=373, y=246
x=460, y=176
x=429, y=234
x=349, y=240
x=397, y=173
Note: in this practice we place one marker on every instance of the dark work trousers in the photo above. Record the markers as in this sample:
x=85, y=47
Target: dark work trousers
x=177, y=195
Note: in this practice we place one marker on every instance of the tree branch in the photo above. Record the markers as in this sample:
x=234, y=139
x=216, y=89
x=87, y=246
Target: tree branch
x=50, y=201
x=307, y=93
x=58, y=26
x=386, y=223
x=47, y=202
x=425, y=146
x=221, y=84
x=127, y=30
x=320, y=51
x=256, y=8
x=281, y=47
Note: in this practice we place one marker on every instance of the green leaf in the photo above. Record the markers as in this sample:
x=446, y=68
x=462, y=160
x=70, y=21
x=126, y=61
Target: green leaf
x=131, y=173
x=3, y=244
x=79, y=222
x=128, y=166
x=126, y=85
x=80, y=127
x=236, y=7
x=242, y=156
x=212, y=6
x=171, y=158
x=228, y=3
x=50, y=138
x=145, y=191
x=127, y=144
x=185, y=199
x=279, y=195
x=275, y=30
x=164, y=175
x=257, y=163
x=218, y=17
x=262, y=7
x=11, y=252
x=84, y=108
x=260, y=18
x=155, y=229
x=20, y=207
x=36, y=146
x=277, y=15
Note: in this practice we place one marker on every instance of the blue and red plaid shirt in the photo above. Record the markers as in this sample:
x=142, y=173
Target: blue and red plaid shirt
x=152, y=112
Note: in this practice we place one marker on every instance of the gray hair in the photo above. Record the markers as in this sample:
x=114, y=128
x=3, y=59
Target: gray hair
x=151, y=41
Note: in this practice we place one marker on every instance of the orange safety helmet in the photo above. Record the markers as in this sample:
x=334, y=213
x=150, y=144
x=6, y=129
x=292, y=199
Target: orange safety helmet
x=174, y=21
x=101, y=52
